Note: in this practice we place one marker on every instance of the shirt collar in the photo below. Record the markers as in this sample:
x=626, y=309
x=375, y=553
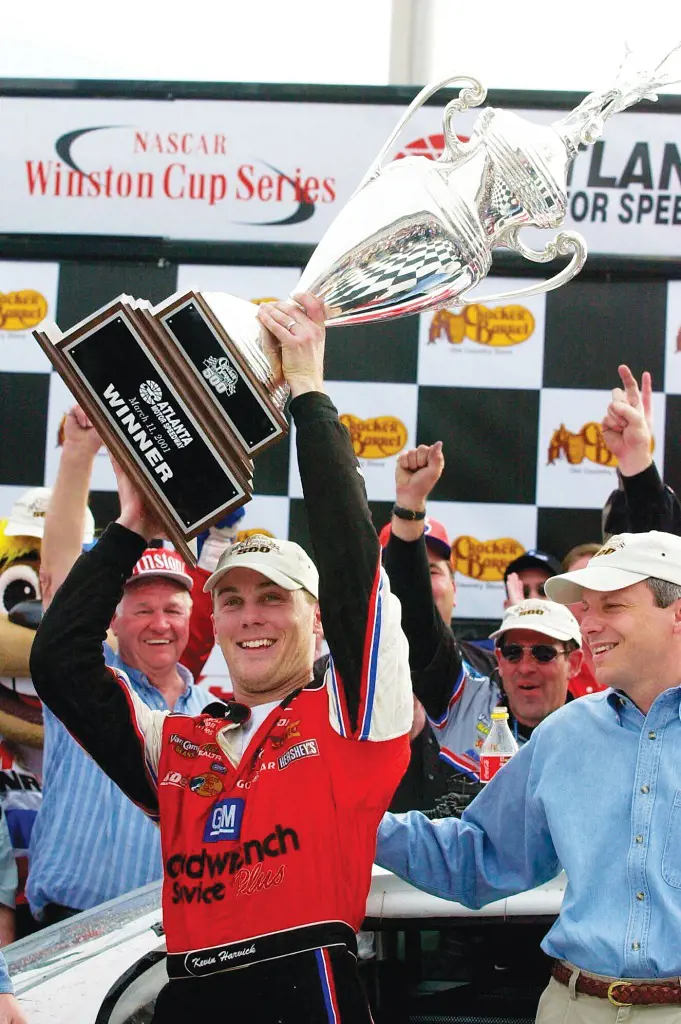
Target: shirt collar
x=138, y=678
x=619, y=700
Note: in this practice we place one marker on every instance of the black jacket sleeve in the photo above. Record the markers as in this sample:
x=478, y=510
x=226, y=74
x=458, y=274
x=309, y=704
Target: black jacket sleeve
x=642, y=503
x=436, y=657
x=434, y=654
x=360, y=616
x=72, y=679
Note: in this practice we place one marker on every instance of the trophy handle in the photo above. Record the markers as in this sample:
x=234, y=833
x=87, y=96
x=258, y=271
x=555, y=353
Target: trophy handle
x=564, y=243
x=472, y=96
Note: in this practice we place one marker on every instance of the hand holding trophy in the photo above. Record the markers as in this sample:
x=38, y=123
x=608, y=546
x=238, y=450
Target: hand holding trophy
x=183, y=393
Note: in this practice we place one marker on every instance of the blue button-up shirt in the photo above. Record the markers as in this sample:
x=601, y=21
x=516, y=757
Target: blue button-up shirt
x=597, y=790
x=89, y=842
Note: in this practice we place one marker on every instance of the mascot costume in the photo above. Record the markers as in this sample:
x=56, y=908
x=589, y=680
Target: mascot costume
x=21, y=720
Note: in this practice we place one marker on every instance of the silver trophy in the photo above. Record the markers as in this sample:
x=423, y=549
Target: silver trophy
x=419, y=234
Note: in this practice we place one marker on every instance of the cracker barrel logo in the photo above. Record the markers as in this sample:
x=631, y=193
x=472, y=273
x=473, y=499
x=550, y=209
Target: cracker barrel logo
x=588, y=444
x=375, y=438
x=484, y=560
x=21, y=310
x=498, y=327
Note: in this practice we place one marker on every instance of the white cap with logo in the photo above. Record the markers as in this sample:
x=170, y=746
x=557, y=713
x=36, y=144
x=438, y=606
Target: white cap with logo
x=624, y=559
x=554, y=620
x=27, y=518
x=281, y=561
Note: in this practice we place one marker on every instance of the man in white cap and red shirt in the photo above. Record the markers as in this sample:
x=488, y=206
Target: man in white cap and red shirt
x=268, y=805
x=89, y=842
x=596, y=791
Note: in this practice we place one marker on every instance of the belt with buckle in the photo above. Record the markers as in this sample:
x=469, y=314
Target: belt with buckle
x=620, y=993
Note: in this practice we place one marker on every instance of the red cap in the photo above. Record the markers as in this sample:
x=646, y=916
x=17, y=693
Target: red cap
x=163, y=563
x=436, y=537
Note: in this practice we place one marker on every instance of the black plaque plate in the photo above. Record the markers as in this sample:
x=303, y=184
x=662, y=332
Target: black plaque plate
x=140, y=402
x=228, y=387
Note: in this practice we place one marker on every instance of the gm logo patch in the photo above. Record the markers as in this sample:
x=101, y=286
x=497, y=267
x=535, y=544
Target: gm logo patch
x=224, y=820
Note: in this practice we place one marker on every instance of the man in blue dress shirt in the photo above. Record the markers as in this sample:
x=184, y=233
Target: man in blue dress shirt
x=90, y=843
x=597, y=791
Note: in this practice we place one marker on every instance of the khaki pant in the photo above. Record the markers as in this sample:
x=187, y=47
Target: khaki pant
x=560, y=1004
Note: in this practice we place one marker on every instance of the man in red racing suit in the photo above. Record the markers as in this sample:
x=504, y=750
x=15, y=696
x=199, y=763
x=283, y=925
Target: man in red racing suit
x=268, y=805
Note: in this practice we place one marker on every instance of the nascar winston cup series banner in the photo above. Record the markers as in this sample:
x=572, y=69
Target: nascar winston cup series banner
x=515, y=391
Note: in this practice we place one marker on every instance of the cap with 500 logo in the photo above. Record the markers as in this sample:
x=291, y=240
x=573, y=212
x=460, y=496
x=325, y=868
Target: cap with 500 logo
x=282, y=561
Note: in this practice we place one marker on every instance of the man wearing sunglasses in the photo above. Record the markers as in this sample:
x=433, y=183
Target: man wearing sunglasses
x=538, y=649
x=459, y=684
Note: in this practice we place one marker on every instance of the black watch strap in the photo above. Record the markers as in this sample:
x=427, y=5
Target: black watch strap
x=408, y=513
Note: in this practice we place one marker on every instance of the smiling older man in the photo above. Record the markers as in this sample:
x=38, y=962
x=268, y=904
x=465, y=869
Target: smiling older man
x=459, y=684
x=596, y=791
x=109, y=846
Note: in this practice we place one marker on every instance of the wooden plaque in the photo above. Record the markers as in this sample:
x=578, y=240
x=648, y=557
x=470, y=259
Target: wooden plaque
x=159, y=424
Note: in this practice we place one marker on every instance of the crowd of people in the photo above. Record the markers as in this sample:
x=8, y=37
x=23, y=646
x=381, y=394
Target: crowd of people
x=381, y=734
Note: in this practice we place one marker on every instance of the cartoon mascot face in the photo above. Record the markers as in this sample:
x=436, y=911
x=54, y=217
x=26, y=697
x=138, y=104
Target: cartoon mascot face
x=20, y=614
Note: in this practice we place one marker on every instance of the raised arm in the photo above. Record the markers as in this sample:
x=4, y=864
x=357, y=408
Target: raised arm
x=435, y=657
x=96, y=703
x=644, y=502
x=369, y=673
x=65, y=518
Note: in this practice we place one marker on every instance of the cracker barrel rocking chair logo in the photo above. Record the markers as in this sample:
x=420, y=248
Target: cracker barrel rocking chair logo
x=587, y=443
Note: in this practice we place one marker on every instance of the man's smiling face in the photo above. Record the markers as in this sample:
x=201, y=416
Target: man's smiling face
x=266, y=633
x=152, y=625
x=534, y=689
x=630, y=638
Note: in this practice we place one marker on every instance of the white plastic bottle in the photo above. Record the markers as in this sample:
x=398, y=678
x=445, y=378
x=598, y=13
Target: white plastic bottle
x=499, y=747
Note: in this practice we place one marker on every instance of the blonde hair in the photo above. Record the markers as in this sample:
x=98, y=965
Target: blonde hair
x=14, y=548
x=579, y=551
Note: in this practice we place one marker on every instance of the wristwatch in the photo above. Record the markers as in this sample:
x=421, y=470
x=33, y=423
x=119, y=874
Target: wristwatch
x=408, y=513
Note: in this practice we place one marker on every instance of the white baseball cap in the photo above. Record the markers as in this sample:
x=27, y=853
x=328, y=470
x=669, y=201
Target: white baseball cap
x=27, y=518
x=281, y=561
x=161, y=562
x=554, y=620
x=624, y=559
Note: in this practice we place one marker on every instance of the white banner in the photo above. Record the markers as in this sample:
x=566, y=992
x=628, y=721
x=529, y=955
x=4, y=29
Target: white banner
x=279, y=172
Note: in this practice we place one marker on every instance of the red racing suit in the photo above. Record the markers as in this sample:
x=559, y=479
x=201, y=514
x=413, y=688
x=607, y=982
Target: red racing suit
x=268, y=853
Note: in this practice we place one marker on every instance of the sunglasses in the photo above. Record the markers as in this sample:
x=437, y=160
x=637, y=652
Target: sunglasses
x=542, y=653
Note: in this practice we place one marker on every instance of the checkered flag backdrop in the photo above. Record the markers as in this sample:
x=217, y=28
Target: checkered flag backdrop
x=515, y=392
